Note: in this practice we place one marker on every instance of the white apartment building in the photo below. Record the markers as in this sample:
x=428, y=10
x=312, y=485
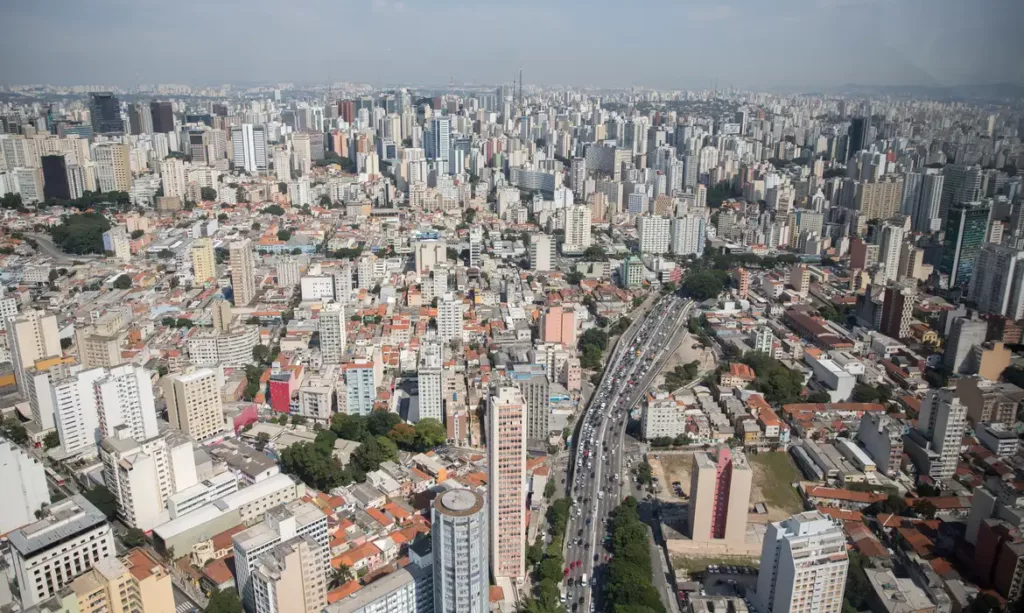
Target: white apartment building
x=688, y=235
x=76, y=411
x=291, y=577
x=540, y=252
x=803, y=566
x=24, y=483
x=125, y=399
x=332, y=322
x=653, y=232
x=172, y=178
x=449, y=319
x=407, y=590
x=317, y=287
x=934, y=446
x=662, y=417
x=280, y=524
x=431, y=392
x=360, y=387
x=48, y=554
x=143, y=475
x=576, y=221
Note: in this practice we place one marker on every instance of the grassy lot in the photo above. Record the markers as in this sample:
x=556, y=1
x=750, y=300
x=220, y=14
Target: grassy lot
x=698, y=564
x=774, y=474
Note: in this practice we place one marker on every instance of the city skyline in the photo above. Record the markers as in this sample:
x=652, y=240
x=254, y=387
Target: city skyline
x=881, y=43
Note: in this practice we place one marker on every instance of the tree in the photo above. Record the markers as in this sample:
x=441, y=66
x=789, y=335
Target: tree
x=134, y=538
x=926, y=509
x=703, y=285
x=298, y=420
x=403, y=435
x=549, y=489
x=863, y=392
x=595, y=253
x=283, y=235
x=14, y=431
x=430, y=433
x=260, y=354
x=380, y=423
x=819, y=397
x=255, y=227
x=349, y=427
x=644, y=474
x=208, y=194
x=371, y=453
x=262, y=439
x=274, y=209
x=341, y=576
x=282, y=187
x=224, y=601
x=51, y=440
x=80, y=234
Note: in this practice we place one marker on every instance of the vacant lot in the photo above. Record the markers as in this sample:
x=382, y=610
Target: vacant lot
x=676, y=467
x=774, y=475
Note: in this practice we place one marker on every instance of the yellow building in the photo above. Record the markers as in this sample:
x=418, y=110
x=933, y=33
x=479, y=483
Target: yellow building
x=133, y=583
x=204, y=261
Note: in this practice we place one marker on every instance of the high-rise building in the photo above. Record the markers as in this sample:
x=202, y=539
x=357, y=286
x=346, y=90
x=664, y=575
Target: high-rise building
x=140, y=120
x=926, y=215
x=162, y=114
x=124, y=397
x=858, y=135
x=360, y=387
x=430, y=374
x=803, y=566
x=243, y=272
x=331, y=322
x=997, y=285
x=576, y=222
x=249, y=144
x=688, y=235
x=113, y=167
x=963, y=335
x=291, y=577
x=898, y=309
x=800, y=278
x=449, y=319
x=31, y=336
x=222, y=315
x=965, y=233
x=193, y=403
x=134, y=582
x=143, y=474
x=55, y=177
x=116, y=241
x=962, y=184
x=506, y=462
x=302, y=156
x=535, y=387
x=653, y=233
x=934, y=445
x=476, y=247
x=437, y=141
x=172, y=177
x=460, y=544
x=70, y=538
x=540, y=252
x=719, y=496
x=105, y=113
x=25, y=490
x=204, y=261
x=281, y=524
x=880, y=199
x=889, y=250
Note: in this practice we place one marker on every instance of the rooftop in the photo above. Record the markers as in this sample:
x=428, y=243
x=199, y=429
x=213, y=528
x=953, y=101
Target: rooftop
x=64, y=520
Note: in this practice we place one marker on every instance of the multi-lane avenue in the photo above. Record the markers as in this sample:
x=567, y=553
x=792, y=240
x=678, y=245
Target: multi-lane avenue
x=599, y=475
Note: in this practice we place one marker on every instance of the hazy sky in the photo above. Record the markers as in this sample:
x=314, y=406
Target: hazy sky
x=660, y=43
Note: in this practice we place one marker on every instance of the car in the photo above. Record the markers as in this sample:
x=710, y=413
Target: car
x=579, y=532
x=565, y=573
x=586, y=546
x=575, y=607
x=569, y=582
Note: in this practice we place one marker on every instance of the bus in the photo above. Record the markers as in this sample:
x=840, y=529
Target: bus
x=57, y=479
